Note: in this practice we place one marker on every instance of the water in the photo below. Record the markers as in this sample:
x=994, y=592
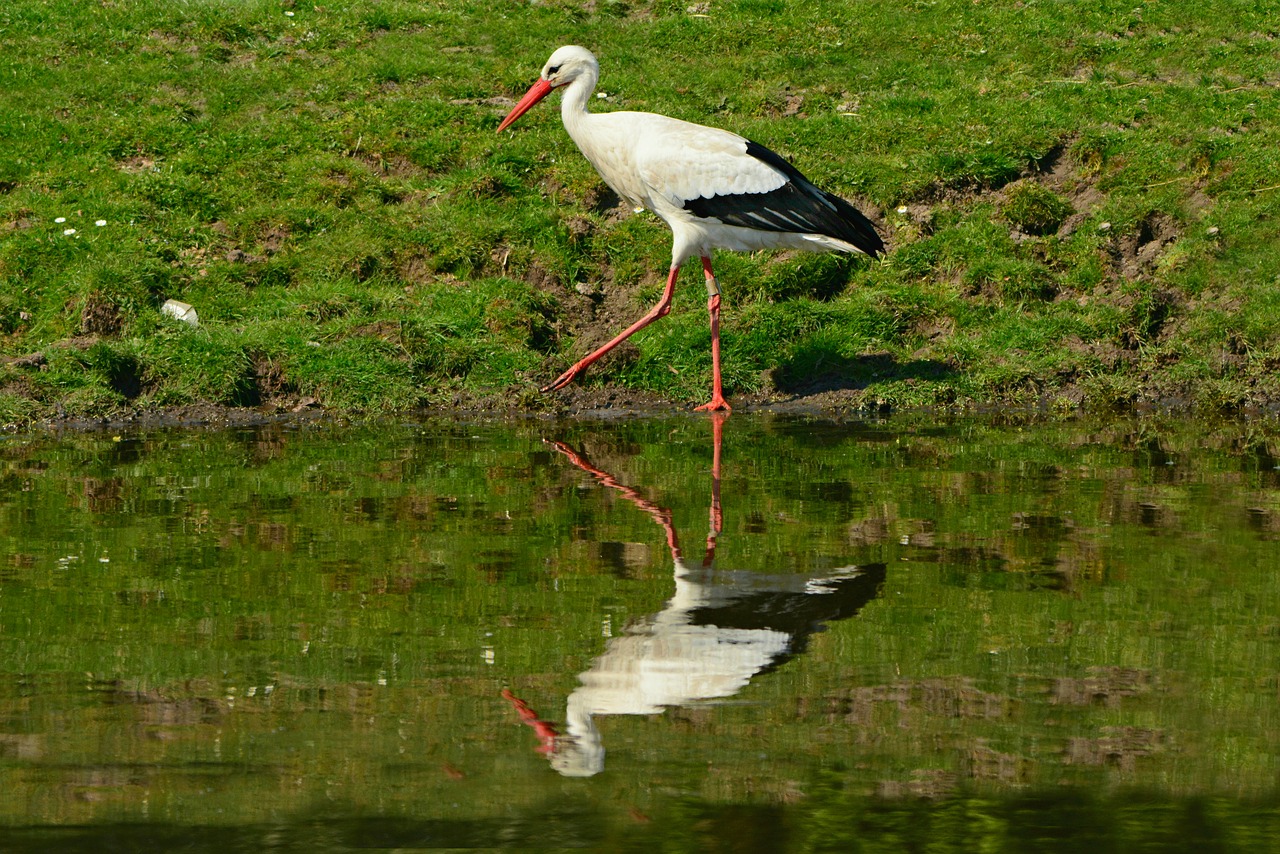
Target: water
x=753, y=634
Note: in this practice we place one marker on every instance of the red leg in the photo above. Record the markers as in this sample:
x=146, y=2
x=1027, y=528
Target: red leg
x=717, y=517
x=546, y=732
x=659, y=310
x=717, y=402
x=660, y=514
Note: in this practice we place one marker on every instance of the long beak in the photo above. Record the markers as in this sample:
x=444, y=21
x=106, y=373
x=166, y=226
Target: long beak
x=536, y=93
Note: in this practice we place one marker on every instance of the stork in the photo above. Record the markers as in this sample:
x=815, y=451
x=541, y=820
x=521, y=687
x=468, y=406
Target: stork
x=719, y=629
x=713, y=188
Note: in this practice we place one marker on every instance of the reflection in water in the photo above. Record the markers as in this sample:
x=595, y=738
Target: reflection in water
x=293, y=637
x=718, y=630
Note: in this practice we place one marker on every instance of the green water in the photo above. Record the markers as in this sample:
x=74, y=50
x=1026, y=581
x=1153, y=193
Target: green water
x=945, y=637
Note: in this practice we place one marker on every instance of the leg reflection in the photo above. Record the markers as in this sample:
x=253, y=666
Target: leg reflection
x=717, y=631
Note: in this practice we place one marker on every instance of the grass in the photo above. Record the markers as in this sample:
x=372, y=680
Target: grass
x=1079, y=201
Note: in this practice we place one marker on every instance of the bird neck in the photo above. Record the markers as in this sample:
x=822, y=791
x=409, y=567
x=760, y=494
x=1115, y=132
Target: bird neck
x=574, y=100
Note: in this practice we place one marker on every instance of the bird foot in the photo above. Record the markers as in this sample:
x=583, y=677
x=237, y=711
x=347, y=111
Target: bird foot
x=563, y=380
x=716, y=404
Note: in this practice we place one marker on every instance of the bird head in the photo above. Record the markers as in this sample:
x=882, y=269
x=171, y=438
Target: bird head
x=566, y=65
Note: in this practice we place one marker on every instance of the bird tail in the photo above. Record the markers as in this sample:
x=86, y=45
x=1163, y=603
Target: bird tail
x=857, y=230
x=827, y=213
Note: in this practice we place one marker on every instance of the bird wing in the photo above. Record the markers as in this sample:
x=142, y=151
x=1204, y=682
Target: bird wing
x=714, y=174
x=680, y=162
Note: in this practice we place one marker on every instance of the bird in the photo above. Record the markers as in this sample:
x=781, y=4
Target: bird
x=714, y=189
x=718, y=631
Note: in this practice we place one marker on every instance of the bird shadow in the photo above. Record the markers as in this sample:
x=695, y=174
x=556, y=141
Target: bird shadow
x=602, y=200
x=818, y=369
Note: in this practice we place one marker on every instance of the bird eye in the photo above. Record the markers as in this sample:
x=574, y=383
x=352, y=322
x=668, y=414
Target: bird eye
x=555, y=69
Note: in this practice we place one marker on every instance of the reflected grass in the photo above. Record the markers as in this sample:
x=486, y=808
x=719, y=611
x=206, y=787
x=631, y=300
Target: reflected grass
x=228, y=628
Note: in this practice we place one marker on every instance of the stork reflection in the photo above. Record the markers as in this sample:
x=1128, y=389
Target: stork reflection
x=718, y=630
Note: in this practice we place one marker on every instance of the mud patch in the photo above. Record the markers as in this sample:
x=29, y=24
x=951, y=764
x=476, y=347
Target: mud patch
x=137, y=164
x=100, y=316
x=927, y=783
x=268, y=386
x=30, y=360
x=417, y=268
x=393, y=165
x=273, y=239
x=239, y=256
x=1121, y=747
x=986, y=763
x=1134, y=255
x=1104, y=685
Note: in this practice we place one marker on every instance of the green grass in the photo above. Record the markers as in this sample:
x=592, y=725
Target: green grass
x=1076, y=197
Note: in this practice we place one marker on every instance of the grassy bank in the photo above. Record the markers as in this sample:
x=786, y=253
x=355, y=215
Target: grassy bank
x=1080, y=202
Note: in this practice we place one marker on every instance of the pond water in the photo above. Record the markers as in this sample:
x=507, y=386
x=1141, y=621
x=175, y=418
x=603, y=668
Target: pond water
x=754, y=633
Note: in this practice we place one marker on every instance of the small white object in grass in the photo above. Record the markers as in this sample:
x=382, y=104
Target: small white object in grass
x=68, y=231
x=180, y=311
x=288, y=14
x=602, y=95
x=902, y=209
x=100, y=223
x=61, y=219
x=1106, y=226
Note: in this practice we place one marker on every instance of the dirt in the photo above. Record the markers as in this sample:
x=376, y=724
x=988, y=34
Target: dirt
x=100, y=316
x=278, y=402
x=283, y=405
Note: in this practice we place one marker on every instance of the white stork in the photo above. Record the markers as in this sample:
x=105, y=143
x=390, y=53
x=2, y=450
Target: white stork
x=713, y=188
x=718, y=630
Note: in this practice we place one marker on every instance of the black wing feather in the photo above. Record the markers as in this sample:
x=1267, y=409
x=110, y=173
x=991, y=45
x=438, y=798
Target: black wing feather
x=797, y=206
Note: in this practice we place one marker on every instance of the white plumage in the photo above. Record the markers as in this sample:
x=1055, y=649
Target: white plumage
x=715, y=189
x=717, y=631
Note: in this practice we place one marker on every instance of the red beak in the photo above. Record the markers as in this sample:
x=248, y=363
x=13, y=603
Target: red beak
x=536, y=93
